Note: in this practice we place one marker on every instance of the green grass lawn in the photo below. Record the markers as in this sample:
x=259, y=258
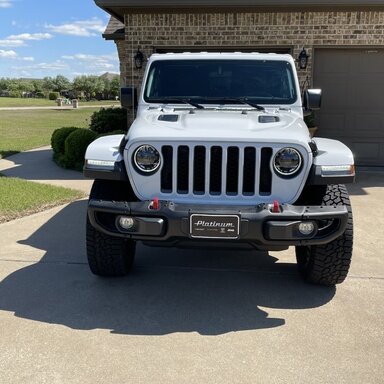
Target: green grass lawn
x=23, y=130
x=19, y=102
x=20, y=197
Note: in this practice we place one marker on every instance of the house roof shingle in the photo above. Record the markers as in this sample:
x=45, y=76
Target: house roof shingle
x=117, y=8
x=115, y=30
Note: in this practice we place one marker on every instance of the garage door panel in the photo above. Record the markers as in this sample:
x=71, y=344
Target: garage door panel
x=352, y=111
x=330, y=124
x=365, y=152
x=368, y=124
x=336, y=95
x=368, y=61
x=337, y=67
x=370, y=92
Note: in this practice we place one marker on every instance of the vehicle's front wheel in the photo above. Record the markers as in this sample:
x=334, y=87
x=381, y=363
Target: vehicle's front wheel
x=108, y=255
x=328, y=264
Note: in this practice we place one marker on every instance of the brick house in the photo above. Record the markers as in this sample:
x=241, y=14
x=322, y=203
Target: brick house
x=344, y=41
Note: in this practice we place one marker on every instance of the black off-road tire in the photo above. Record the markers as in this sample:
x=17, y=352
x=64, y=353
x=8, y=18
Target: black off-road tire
x=328, y=264
x=108, y=256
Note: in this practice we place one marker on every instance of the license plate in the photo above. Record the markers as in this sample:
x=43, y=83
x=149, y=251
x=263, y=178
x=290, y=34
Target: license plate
x=215, y=226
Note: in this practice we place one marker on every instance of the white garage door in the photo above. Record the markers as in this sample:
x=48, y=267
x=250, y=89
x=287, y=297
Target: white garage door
x=352, y=81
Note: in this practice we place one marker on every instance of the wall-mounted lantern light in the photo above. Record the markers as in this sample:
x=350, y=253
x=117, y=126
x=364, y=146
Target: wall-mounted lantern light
x=303, y=59
x=139, y=59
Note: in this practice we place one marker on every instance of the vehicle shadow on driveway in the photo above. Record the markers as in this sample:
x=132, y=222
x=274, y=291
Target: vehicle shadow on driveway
x=29, y=165
x=365, y=179
x=169, y=290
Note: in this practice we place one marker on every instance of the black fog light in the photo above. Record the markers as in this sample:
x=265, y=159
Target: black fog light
x=287, y=161
x=146, y=159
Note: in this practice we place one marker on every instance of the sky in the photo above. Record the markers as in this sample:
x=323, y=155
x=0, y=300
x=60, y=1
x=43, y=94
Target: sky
x=40, y=38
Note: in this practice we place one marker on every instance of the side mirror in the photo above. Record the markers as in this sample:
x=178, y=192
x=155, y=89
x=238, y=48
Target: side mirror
x=128, y=97
x=312, y=99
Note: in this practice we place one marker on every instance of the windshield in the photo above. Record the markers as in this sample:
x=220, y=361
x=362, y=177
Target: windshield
x=219, y=81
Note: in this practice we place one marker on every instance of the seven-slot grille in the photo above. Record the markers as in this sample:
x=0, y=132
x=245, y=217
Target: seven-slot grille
x=216, y=170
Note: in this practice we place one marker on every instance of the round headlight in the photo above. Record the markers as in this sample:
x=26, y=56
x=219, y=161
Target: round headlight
x=287, y=161
x=147, y=158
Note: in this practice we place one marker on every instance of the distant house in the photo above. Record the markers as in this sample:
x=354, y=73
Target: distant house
x=109, y=76
x=4, y=93
x=344, y=41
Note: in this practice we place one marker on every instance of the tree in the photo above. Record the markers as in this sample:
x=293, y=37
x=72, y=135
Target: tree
x=37, y=85
x=115, y=86
x=48, y=84
x=111, y=86
x=25, y=86
x=61, y=83
x=4, y=83
x=90, y=85
x=56, y=84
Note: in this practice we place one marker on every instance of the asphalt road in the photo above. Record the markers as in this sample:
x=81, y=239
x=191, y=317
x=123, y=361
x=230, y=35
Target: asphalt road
x=186, y=316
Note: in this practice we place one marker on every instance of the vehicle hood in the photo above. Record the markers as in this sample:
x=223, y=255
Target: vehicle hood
x=219, y=126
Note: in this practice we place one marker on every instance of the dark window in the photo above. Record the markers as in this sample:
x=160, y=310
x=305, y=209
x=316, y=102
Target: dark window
x=208, y=81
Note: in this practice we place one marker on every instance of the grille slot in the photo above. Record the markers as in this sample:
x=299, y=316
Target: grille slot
x=166, y=172
x=216, y=170
x=249, y=171
x=265, y=187
x=232, y=170
x=182, y=169
x=199, y=170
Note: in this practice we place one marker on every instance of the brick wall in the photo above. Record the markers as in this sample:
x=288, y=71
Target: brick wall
x=294, y=30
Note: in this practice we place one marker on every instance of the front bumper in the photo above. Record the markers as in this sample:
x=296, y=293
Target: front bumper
x=261, y=225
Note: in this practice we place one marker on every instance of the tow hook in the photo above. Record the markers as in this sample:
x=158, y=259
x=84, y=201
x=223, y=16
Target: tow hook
x=154, y=204
x=276, y=207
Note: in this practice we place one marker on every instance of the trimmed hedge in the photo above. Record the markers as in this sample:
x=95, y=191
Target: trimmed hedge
x=53, y=95
x=58, y=139
x=75, y=146
x=109, y=120
x=69, y=144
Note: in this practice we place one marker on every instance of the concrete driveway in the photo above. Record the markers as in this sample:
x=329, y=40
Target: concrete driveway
x=187, y=316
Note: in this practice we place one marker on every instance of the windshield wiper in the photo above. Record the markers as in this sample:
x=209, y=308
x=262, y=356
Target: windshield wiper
x=233, y=100
x=245, y=100
x=184, y=100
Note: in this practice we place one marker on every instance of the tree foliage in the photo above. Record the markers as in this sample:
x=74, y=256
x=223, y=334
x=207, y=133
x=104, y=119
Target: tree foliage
x=90, y=85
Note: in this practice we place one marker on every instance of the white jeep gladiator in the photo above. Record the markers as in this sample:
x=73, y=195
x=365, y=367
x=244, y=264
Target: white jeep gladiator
x=219, y=154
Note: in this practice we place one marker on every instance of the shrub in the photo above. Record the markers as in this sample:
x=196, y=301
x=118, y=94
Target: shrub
x=58, y=139
x=15, y=94
x=75, y=146
x=310, y=120
x=39, y=95
x=109, y=120
x=53, y=95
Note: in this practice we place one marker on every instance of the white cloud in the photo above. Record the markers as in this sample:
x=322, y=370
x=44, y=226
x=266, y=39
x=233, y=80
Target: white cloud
x=19, y=40
x=94, y=63
x=25, y=74
x=11, y=43
x=28, y=58
x=7, y=54
x=82, y=28
x=30, y=36
x=92, y=58
x=57, y=65
x=5, y=3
